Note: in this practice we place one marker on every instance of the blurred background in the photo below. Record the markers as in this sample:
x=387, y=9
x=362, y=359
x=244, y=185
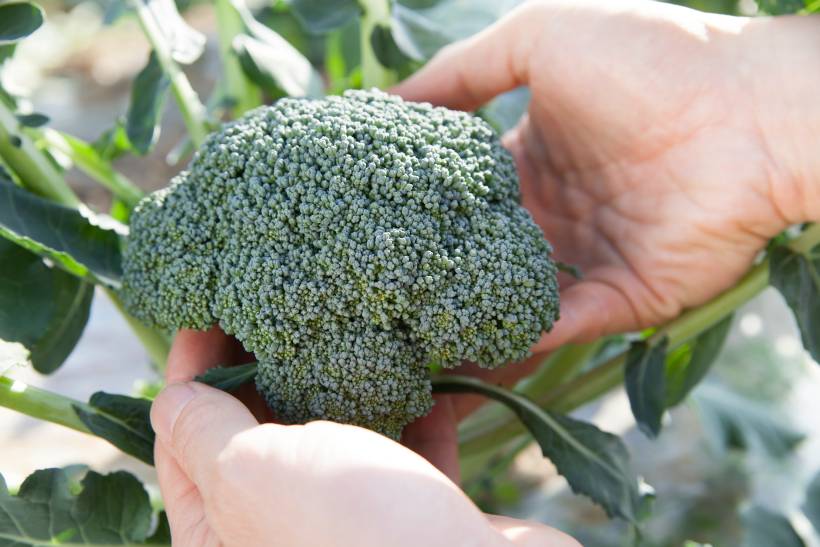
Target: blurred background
x=747, y=442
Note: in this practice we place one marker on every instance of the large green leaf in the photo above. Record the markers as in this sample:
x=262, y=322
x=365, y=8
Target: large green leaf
x=420, y=33
x=762, y=528
x=109, y=510
x=148, y=95
x=123, y=421
x=185, y=42
x=18, y=20
x=74, y=241
x=736, y=421
x=271, y=62
x=320, y=16
x=275, y=68
x=811, y=505
x=43, y=308
x=595, y=463
x=387, y=52
x=645, y=380
x=797, y=277
x=688, y=365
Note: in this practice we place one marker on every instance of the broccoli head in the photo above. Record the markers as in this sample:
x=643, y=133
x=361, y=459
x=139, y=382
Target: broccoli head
x=349, y=243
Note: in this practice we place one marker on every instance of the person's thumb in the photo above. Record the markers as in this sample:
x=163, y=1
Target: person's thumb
x=469, y=73
x=195, y=423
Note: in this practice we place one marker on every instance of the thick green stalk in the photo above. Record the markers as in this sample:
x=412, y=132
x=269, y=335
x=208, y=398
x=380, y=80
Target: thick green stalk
x=562, y=365
x=29, y=163
x=374, y=74
x=237, y=86
x=40, y=404
x=608, y=375
x=156, y=344
x=192, y=109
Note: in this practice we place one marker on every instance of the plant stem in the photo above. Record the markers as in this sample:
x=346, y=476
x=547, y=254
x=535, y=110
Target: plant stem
x=156, y=344
x=94, y=167
x=40, y=404
x=29, y=163
x=374, y=74
x=237, y=86
x=192, y=109
x=562, y=365
x=596, y=382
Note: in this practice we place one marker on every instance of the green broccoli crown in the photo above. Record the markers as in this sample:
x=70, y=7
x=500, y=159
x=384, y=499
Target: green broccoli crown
x=347, y=242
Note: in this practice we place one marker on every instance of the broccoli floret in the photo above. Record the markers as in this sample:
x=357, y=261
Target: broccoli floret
x=348, y=242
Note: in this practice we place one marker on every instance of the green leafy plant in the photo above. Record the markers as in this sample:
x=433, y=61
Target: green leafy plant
x=55, y=250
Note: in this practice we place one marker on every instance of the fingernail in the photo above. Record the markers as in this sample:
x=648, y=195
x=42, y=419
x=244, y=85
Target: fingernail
x=167, y=407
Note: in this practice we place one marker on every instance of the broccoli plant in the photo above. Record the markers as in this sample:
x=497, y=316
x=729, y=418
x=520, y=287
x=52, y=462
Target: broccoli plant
x=357, y=244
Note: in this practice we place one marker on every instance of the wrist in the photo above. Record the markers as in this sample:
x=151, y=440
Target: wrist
x=778, y=60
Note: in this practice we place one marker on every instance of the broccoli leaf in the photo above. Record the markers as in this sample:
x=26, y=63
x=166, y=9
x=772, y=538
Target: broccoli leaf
x=271, y=62
x=387, y=52
x=32, y=120
x=645, y=380
x=687, y=367
x=797, y=277
x=74, y=241
x=148, y=95
x=735, y=421
x=186, y=43
x=111, y=509
x=18, y=20
x=228, y=378
x=595, y=463
x=43, y=308
x=762, y=528
x=321, y=16
x=811, y=505
x=123, y=421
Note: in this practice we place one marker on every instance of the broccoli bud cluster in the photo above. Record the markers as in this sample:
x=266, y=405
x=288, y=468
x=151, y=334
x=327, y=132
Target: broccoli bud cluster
x=349, y=243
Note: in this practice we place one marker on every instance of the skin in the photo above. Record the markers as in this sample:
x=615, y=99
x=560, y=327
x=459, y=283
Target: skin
x=662, y=149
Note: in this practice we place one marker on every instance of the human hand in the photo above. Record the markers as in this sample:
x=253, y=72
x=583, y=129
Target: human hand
x=658, y=153
x=227, y=480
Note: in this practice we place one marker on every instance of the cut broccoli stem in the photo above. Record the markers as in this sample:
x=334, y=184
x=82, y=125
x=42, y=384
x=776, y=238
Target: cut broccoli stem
x=591, y=385
x=192, y=110
x=374, y=74
x=41, y=404
x=236, y=84
x=35, y=169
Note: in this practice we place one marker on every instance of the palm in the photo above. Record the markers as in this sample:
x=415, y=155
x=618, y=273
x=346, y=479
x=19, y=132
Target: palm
x=659, y=193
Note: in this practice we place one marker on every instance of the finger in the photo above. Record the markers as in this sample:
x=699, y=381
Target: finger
x=467, y=74
x=196, y=422
x=194, y=352
x=436, y=438
x=183, y=503
x=524, y=533
x=589, y=309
